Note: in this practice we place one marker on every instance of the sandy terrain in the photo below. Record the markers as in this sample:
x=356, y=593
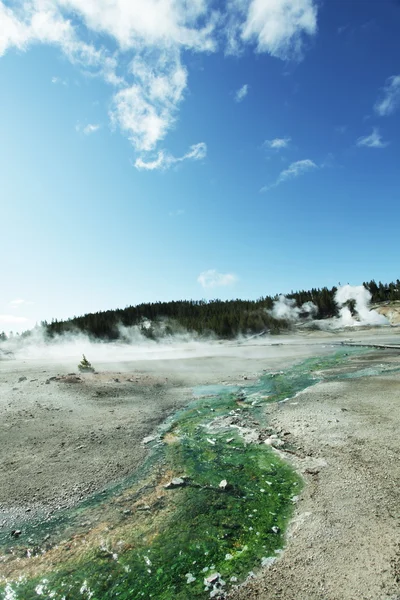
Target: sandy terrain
x=63, y=437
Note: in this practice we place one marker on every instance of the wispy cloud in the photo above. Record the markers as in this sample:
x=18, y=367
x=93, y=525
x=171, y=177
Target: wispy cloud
x=374, y=140
x=165, y=160
x=211, y=279
x=390, y=99
x=19, y=302
x=59, y=81
x=12, y=320
x=342, y=29
x=144, y=69
x=241, y=93
x=294, y=170
x=87, y=129
x=147, y=110
x=277, y=143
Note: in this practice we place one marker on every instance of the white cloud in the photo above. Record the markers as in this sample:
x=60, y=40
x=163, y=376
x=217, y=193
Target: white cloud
x=279, y=26
x=18, y=302
x=165, y=160
x=297, y=168
x=146, y=110
x=390, y=100
x=145, y=42
x=211, y=279
x=59, y=81
x=374, y=140
x=294, y=170
x=278, y=143
x=12, y=320
x=87, y=129
x=241, y=93
x=90, y=128
x=153, y=23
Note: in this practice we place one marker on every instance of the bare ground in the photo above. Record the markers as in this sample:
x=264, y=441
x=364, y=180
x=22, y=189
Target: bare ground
x=344, y=541
x=60, y=441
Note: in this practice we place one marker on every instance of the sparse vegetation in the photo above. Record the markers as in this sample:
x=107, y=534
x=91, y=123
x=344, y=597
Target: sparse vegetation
x=85, y=366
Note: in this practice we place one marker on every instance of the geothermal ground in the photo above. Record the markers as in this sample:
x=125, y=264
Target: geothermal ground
x=66, y=435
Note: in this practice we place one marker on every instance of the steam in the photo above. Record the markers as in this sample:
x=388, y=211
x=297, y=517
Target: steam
x=132, y=345
x=361, y=298
x=353, y=303
x=285, y=308
x=163, y=339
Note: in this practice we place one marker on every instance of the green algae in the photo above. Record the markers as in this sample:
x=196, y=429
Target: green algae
x=194, y=530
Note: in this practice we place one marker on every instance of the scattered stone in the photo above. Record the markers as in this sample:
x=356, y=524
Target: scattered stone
x=211, y=579
x=174, y=483
x=148, y=439
x=16, y=533
x=21, y=379
x=223, y=484
x=212, y=442
x=312, y=471
x=267, y=561
x=190, y=578
x=275, y=529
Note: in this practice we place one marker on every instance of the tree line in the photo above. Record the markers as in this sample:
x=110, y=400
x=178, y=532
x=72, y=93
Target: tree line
x=225, y=319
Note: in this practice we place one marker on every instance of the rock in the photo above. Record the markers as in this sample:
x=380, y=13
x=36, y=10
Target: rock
x=21, y=379
x=223, y=484
x=174, y=483
x=211, y=579
x=275, y=529
x=148, y=439
x=312, y=471
x=16, y=533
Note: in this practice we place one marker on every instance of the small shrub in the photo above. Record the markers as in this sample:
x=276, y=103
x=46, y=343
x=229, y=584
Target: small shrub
x=85, y=365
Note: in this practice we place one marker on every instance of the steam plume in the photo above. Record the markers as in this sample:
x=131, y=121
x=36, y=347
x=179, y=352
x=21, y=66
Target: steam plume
x=362, y=300
x=285, y=308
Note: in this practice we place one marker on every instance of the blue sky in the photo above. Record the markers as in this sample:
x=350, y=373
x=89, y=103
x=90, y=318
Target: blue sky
x=167, y=150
